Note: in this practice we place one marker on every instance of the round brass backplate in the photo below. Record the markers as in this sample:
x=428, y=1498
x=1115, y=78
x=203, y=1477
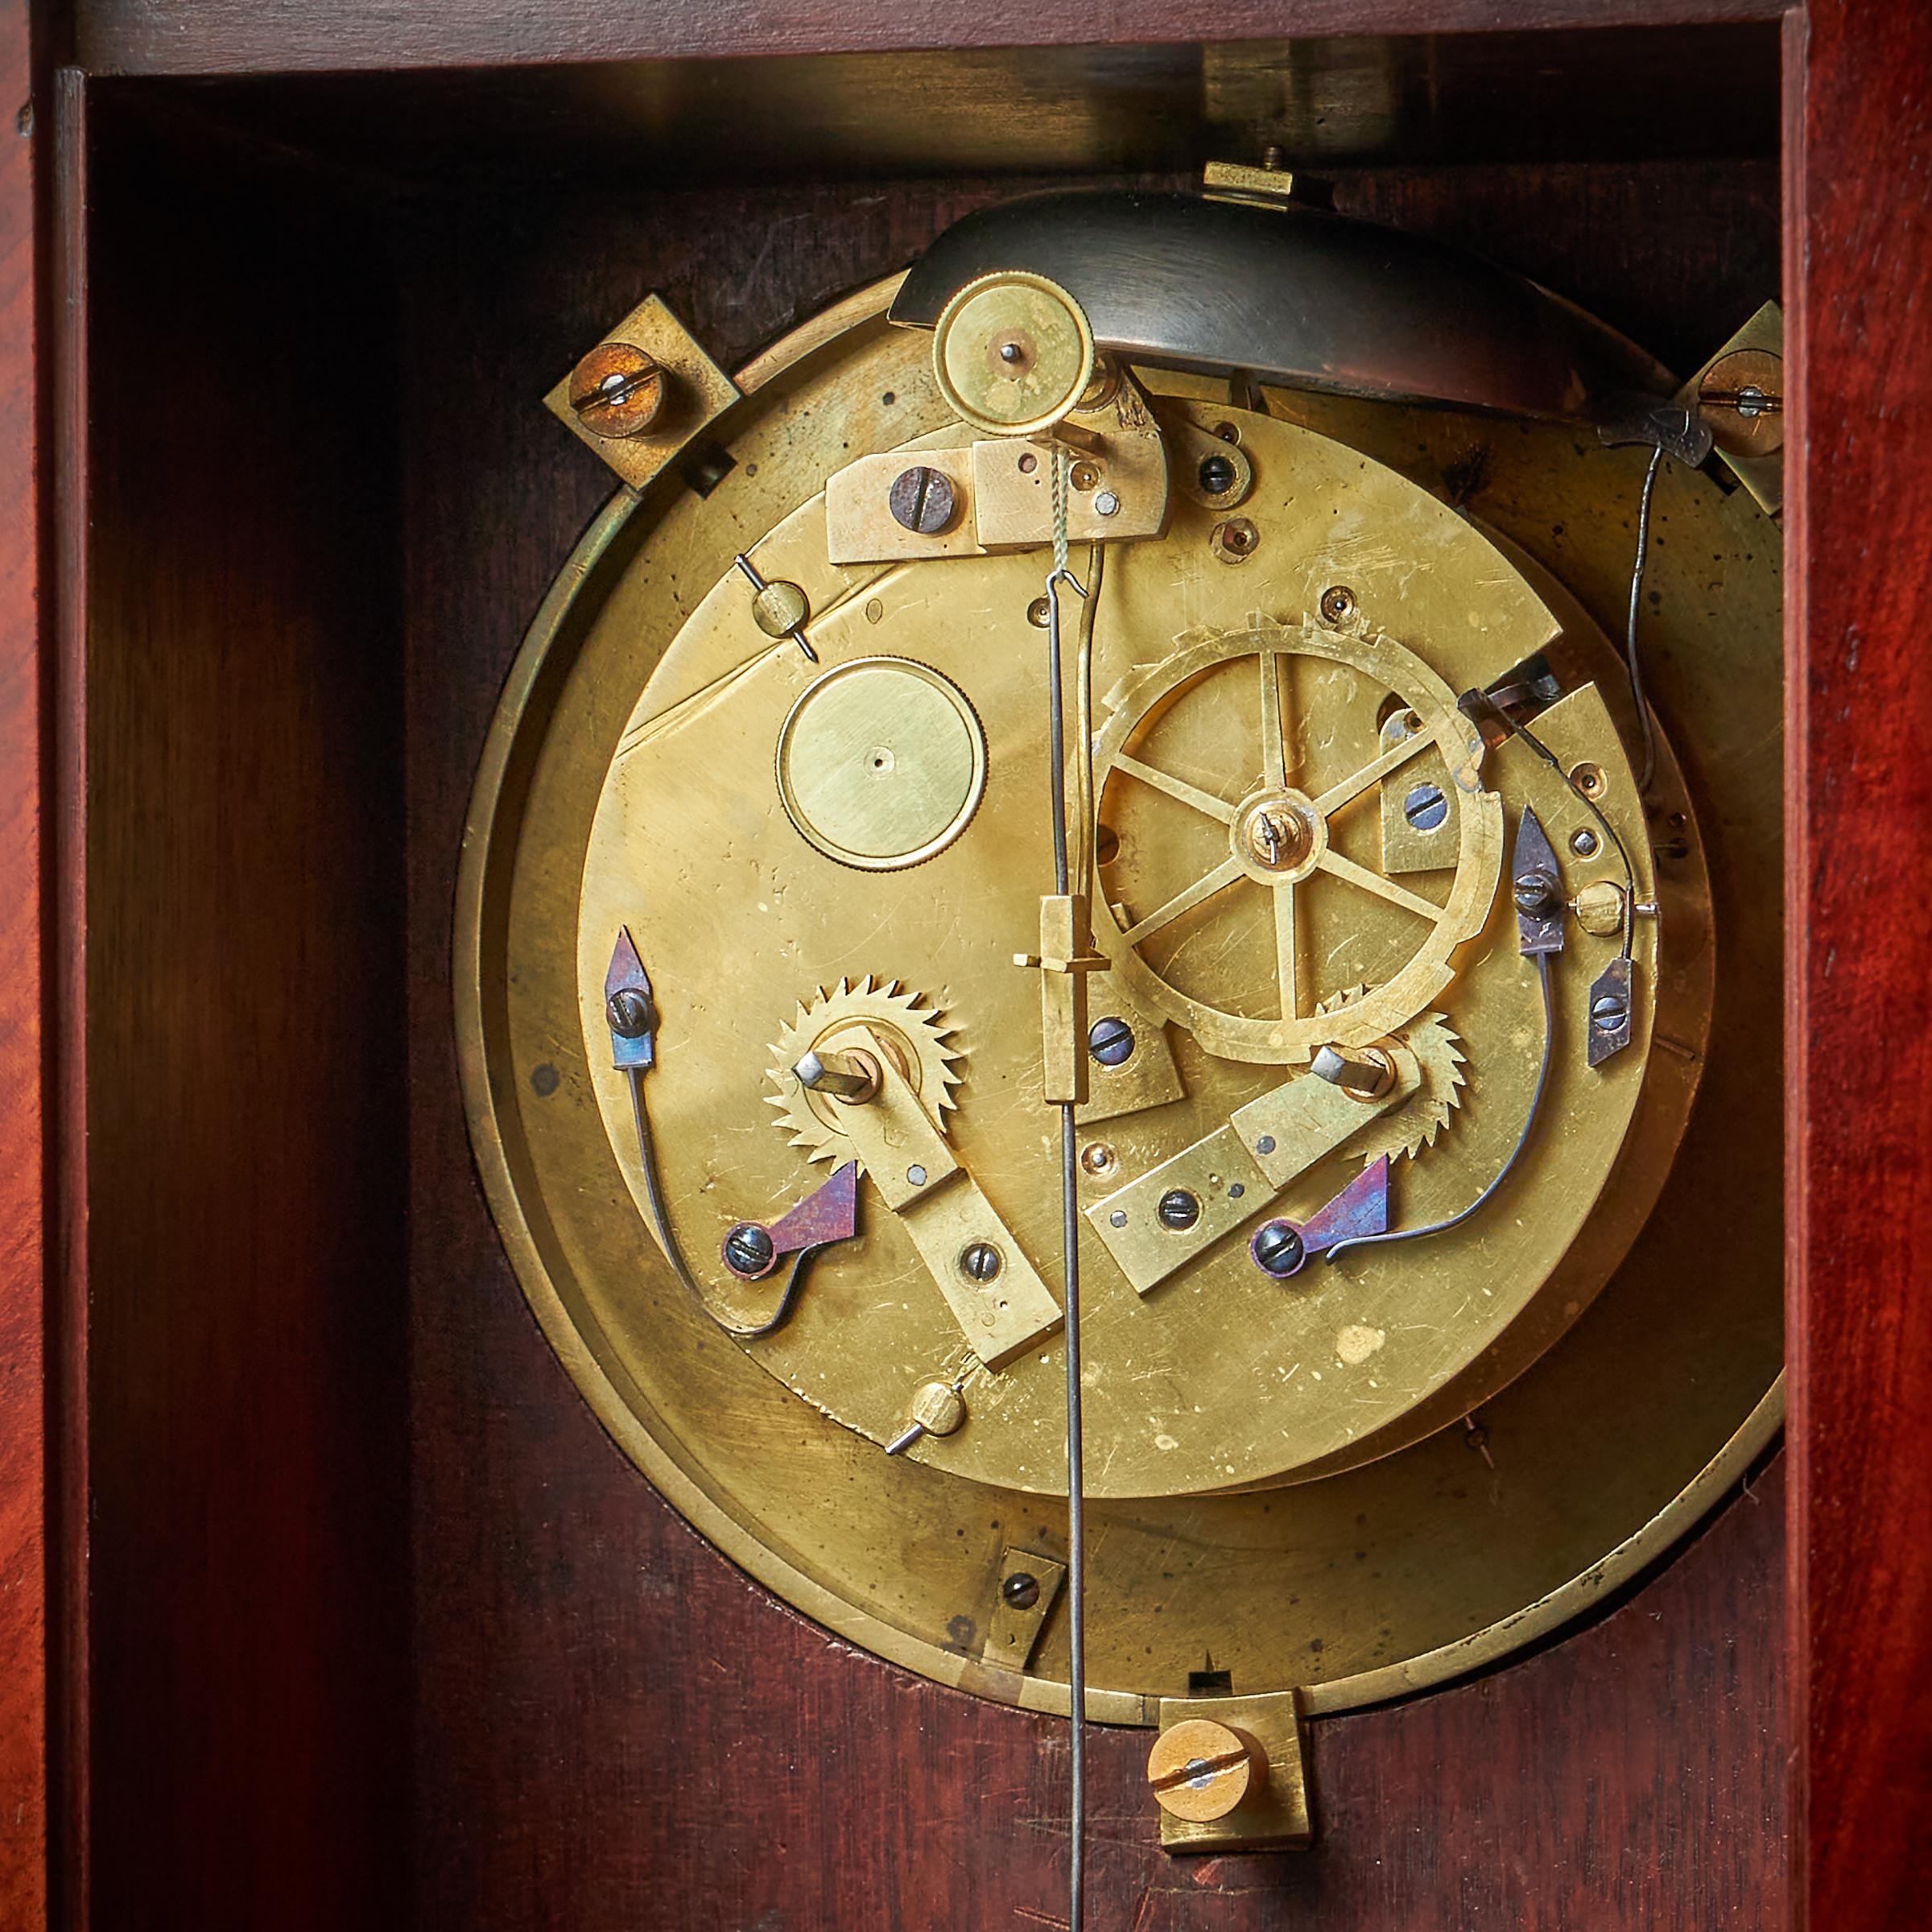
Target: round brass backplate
x=881, y=763
x=1369, y=1582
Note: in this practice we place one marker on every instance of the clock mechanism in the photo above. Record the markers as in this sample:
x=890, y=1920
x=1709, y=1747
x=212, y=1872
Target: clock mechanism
x=1117, y=964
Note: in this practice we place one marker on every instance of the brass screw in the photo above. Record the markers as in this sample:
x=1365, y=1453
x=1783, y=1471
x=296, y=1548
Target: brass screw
x=1178, y=1209
x=1200, y=1770
x=749, y=1250
x=1426, y=807
x=1277, y=1250
x=980, y=1261
x=1537, y=893
x=617, y=390
x=1610, y=1010
x=1216, y=475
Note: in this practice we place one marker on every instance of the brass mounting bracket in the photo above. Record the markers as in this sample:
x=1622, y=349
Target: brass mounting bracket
x=1264, y=1774
x=1750, y=445
x=652, y=426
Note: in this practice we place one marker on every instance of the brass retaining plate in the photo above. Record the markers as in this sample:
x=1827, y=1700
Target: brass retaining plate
x=1258, y=1804
x=690, y=391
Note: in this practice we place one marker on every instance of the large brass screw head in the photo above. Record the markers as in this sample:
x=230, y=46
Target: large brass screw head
x=617, y=390
x=1200, y=1770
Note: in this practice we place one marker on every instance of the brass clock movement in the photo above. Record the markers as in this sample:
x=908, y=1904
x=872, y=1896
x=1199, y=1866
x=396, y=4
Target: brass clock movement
x=1118, y=961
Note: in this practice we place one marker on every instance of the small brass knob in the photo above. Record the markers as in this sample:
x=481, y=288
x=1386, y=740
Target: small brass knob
x=778, y=608
x=938, y=1408
x=1599, y=908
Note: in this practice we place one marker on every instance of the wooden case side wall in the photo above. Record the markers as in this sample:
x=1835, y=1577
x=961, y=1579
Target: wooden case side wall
x=246, y=1668
x=1859, y=258
x=24, y=1259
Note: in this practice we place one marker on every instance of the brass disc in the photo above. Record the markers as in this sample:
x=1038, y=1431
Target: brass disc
x=1012, y=353
x=882, y=763
x=1259, y=1383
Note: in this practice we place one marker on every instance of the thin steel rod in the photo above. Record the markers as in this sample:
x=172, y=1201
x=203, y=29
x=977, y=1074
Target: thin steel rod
x=1076, y=1526
x=1636, y=592
x=1069, y=1252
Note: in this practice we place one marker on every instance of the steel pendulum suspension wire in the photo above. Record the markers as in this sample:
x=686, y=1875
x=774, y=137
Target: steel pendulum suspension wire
x=1632, y=661
x=1076, y=1538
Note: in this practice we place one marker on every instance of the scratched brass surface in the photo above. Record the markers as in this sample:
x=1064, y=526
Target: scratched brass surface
x=1226, y=1377
x=1369, y=1581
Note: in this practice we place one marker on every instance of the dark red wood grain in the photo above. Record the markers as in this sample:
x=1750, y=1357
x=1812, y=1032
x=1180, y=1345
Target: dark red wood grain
x=246, y=1668
x=23, y=1717
x=65, y=646
x=1860, y=848
x=232, y=36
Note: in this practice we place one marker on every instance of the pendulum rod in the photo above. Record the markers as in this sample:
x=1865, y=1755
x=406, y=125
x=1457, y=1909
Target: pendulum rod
x=1062, y=578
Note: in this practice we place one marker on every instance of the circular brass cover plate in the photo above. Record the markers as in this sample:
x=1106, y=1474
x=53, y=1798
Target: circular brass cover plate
x=881, y=763
x=1379, y=1581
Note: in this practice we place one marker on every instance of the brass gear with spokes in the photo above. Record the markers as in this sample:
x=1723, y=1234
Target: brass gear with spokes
x=1280, y=837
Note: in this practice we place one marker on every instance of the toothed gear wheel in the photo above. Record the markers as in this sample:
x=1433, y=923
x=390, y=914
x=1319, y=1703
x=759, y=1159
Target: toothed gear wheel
x=1404, y=1131
x=1278, y=836
x=914, y=1036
